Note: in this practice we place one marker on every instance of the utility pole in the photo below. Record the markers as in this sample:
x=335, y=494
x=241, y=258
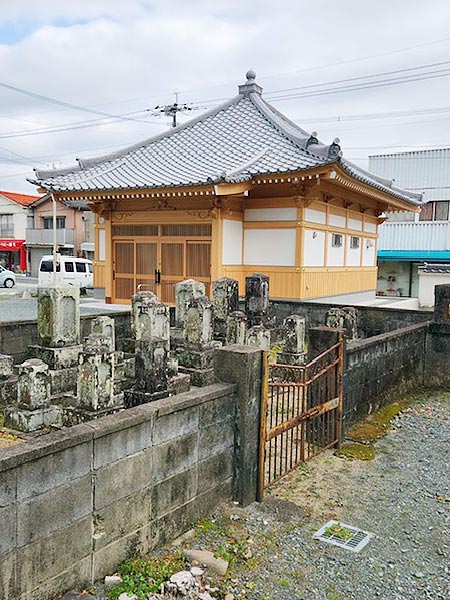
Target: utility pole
x=171, y=110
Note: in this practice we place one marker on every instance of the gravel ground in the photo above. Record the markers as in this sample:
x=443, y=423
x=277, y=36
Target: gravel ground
x=402, y=497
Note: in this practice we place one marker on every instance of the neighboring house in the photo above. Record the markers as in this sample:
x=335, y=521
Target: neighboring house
x=239, y=189
x=15, y=213
x=74, y=231
x=407, y=240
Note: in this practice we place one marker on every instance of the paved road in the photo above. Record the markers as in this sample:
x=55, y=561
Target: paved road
x=19, y=309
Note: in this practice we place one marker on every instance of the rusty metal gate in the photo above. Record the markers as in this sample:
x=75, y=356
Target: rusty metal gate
x=301, y=413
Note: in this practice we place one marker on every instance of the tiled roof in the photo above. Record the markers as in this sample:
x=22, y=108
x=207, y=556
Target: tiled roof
x=22, y=199
x=234, y=142
x=434, y=268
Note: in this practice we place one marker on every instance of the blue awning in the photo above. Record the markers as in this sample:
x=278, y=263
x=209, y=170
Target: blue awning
x=414, y=255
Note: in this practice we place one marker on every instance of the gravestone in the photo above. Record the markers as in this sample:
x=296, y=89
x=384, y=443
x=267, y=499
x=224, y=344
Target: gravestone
x=343, y=318
x=197, y=353
x=34, y=409
x=225, y=302
x=256, y=298
x=259, y=337
x=293, y=337
x=236, y=328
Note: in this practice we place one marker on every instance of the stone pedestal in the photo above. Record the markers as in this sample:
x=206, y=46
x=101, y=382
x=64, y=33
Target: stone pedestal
x=259, y=337
x=59, y=316
x=256, y=298
x=34, y=409
x=293, y=336
x=151, y=381
x=97, y=393
x=236, y=328
x=225, y=302
x=343, y=318
x=195, y=357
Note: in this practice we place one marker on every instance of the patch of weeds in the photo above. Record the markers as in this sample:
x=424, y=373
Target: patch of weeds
x=284, y=582
x=355, y=450
x=2, y=418
x=340, y=531
x=144, y=576
x=206, y=525
x=234, y=550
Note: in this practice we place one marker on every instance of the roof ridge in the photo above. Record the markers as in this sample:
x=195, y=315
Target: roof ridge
x=306, y=141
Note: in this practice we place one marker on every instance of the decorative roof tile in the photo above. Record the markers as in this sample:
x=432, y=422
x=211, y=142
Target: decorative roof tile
x=236, y=141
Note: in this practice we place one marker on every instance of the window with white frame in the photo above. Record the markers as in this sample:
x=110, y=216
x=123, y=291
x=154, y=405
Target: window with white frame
x=6, y=226
x=354, y=242
x=336, y=240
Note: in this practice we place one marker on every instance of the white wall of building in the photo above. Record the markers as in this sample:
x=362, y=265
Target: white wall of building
x=336, y=220
x=369, y=258
x=427, y=283
x=8, y=207
x=231, y=242
x=271, y=247
x=355, y=224
x=335, y=254
x=270, y=214
x=314, y=248
x=353, y=254
x=315, y=216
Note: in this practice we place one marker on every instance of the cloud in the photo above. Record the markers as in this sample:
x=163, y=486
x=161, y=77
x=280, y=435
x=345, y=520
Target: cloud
x=124, y=57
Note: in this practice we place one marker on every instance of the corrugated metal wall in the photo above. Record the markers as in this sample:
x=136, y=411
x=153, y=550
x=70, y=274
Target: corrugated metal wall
x=425, y=235
x=424, y=170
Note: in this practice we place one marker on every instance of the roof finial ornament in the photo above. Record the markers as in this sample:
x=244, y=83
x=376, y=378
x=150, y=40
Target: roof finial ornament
x=250, y=86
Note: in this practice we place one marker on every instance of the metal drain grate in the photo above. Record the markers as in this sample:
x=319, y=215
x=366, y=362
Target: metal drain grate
x=343, y=535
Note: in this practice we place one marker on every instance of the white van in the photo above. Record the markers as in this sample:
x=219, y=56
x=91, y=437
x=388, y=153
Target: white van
x=69, y=269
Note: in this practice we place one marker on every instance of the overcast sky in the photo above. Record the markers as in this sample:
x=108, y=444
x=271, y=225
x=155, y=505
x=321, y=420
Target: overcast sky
x=120, y=57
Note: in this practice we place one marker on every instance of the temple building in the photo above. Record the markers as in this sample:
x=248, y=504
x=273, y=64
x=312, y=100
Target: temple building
x=239, y=189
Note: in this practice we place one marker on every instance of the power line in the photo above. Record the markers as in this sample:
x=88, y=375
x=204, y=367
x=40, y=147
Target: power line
x=65, y=104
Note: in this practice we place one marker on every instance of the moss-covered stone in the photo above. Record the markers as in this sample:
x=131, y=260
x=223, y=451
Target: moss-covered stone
x=366, y=432
x=355, y=450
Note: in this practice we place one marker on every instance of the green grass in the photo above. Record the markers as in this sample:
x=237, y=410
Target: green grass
x=141, y=576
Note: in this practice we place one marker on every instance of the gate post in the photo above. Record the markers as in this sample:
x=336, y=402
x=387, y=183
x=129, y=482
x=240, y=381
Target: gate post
x=242, y=365
x=263, y=426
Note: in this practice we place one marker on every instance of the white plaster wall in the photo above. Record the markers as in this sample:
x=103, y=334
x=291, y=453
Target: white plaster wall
x=271, y=247
x=232, y=242
x=335, y=256
x=370, y=227
x=336, y=220
x=353, y=254
x=355, y=224
x=101, y=244
x=315, y=216
x=369, y=259
x=270, y=214
x=314, y=248
x=427, y=283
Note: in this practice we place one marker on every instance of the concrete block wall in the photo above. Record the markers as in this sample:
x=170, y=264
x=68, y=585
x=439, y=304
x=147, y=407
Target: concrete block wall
x=16, y=336
x=381, y=368
x=372, y=320
x=75, y=503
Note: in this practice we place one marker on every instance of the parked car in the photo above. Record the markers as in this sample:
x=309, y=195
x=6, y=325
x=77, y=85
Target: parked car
x=7, y=278
x=69, y=269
